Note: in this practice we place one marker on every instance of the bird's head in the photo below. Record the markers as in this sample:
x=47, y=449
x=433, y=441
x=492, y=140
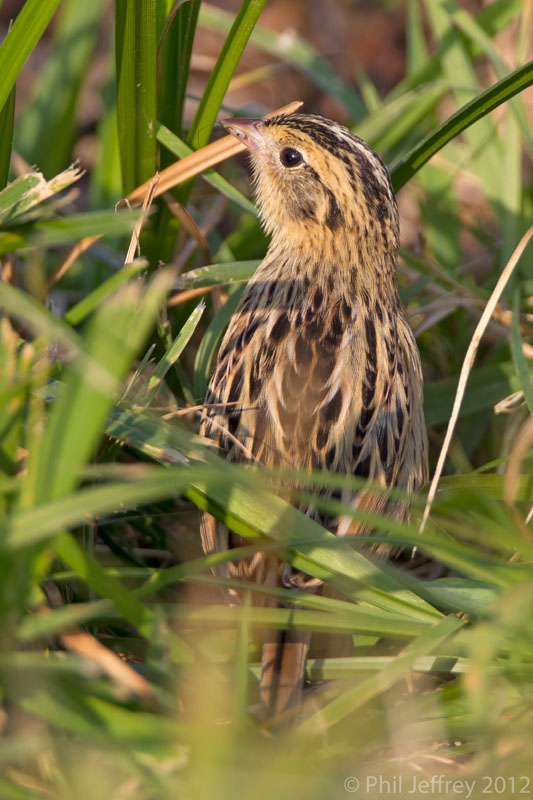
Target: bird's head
x=316, y=181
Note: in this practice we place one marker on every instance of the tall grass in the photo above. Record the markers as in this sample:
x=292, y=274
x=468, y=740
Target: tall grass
x=122, y=676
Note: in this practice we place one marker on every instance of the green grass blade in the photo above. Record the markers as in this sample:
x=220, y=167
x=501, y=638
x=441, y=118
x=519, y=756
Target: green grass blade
x=28, y=190
x=476, y=109
x=45, y=520
x=520, y=361
x=250, y=511
x=491, y=19
x=217, y=274
x=294, y=50
x=254, y=513
x=97, y=577
x=113, y=339
x=482, y=141
x=416, y=42
x=102, y=724
x=175, y=58
x=65, y=230
x=487, y=386
x=223, y=72
x=240, y=669
x=368, y=688
x=210, y=176
x=329, y=669
x=90, y=302
x=396, y=117
x=7, y=118
x=46, y=129
x=174, y=351
x=210, y=342
x=18, y=192
x=466, y=23
x=511, y=194
x=368, y=90
x=136, y=63
x=105, y=188
x=371, y=622
x=60, y=619
x=39, y=320
x=24, y=34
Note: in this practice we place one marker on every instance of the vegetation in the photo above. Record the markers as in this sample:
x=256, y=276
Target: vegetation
x=116, y=681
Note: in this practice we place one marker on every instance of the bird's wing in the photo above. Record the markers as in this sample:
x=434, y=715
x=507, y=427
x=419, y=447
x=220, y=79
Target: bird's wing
x=311, y=387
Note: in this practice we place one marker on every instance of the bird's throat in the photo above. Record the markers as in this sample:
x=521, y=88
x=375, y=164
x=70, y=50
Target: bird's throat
x=341, y=269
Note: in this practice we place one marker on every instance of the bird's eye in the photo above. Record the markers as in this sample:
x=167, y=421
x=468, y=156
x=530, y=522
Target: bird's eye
x=290, y=157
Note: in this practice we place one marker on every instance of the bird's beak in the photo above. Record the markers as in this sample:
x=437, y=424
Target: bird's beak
x=249, y=131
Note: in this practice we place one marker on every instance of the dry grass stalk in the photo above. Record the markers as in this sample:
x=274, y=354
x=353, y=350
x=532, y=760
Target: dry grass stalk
x=467, y=367
x=78, y=641
x=523, y=443
x=183, y=297
x=177, y=173
x=201, y=160
x=190, y=225
x=147, y=202
x=78, y=250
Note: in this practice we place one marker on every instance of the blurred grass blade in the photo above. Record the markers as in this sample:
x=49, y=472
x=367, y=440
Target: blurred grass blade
x=210, y=341
x=292, y=49
x=98, y=578
x=7, y=117
x=396, y=117
x=174, y=62
x=369, y=687
x=46, y=129
x=39, y=320
x=210, y=176
x=240, y=670
x=491, y=19
x=476, y=109
x=482, y=141
x=318, y=669
x=64, y=230
x=60, y=619
x=217, y=274
x=106, y=175
x=252, y=512
x=223, y=72
x=416, y=42
x=24, y=34
x=45, y=520
x=511, y=195
x=487, y=386
x=372, y=622
x=28, y=190
x=174, y=351
x=136, y=64
x=90, y=302
x=74, y=427
x=368, y=90
x=520, y=361
x=86, y=720
x=466, y=23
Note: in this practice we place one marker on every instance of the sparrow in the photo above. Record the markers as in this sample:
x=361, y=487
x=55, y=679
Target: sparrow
x=318, y=369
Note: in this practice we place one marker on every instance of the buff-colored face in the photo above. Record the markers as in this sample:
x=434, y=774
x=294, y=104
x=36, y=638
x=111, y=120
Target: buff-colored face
x=309, y=171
